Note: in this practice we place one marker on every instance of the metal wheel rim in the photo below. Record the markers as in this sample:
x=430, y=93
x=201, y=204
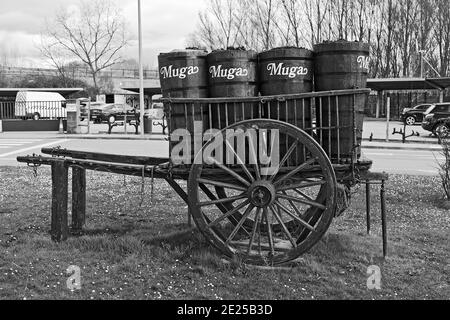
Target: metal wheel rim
x=410, y=120
x=303, y=241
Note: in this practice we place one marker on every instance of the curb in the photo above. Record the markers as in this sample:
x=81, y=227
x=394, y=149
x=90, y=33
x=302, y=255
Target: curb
x=402, y=148
x=431, y=142
x=122, y=137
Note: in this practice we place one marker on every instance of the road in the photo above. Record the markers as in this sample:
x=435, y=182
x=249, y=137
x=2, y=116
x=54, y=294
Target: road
x=10, y=148
x=411, y=162
x=391, y=161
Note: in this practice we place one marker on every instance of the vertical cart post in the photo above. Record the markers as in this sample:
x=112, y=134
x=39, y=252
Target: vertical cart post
x=59, y=224
x=78, y=199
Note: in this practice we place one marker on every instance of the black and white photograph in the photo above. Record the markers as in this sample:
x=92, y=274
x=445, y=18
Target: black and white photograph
x=225, y=155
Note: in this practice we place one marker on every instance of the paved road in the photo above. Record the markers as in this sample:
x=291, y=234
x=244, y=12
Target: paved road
x=11, y=148
x=412, y=162
x=392, y=161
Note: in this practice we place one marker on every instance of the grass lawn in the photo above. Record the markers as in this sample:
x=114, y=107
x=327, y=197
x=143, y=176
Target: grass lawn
x=133, y=249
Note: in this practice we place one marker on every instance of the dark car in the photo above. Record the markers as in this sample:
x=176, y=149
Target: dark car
x=436, y=118
x=97, y=111
x=117, y=112
x=414, y=115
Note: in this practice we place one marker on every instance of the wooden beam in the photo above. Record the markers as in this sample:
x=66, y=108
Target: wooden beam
x=59, y=223
x=116, y=158
x=78, y=199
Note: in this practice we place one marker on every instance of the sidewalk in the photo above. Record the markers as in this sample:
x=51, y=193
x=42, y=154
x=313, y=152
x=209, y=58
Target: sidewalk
x=400, y=146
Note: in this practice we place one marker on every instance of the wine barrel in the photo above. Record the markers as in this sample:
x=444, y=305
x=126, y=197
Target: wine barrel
x=232, y=73
x=287, y=70
x=183, y=74
x=341, y=65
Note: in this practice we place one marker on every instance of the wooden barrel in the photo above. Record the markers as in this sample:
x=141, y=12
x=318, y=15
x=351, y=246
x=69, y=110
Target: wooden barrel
x=184, y=74
x=287, y=70
x=232, y=73
x=341, y=65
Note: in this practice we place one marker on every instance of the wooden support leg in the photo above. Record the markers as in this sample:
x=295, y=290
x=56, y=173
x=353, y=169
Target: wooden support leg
x=78, y=199
x=383, y=218
x=59, y=223
x=182, y=194
x=368, y=206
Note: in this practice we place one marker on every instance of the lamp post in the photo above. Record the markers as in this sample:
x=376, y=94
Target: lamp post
x=141, y=72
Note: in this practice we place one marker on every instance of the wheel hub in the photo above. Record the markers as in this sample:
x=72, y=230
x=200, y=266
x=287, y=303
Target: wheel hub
x=262, y=194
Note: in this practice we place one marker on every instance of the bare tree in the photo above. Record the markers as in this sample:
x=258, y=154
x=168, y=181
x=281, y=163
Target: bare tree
x=442, y=35
x=317, y=12
x=95, y=34
x=56, y=56
x=264, y=21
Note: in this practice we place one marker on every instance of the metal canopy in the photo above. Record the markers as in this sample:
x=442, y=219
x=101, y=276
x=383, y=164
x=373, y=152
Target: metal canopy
x=147, y=91
x=392, y=84
x=12, y=92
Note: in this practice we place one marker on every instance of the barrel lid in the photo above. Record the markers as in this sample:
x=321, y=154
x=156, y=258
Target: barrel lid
x=288, y=52
x=233, y=53
x=341, y=45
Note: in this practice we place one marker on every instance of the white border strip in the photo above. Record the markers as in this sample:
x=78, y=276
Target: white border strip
x=32, y=148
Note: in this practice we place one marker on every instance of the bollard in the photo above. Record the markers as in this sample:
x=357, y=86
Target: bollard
x=61, y=126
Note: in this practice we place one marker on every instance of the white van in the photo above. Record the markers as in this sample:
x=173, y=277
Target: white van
x=40, y=105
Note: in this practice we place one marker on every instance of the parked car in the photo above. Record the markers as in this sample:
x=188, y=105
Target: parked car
x=98, y=111
x=436, y=118
x=113, y=112
x=411, y=116
x=40, y=105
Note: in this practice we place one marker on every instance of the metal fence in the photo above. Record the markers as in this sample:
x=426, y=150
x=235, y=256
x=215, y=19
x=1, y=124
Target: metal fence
x=79, y=72
x=35, y=110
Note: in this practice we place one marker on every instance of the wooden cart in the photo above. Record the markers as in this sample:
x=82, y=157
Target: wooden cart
x=251, y=204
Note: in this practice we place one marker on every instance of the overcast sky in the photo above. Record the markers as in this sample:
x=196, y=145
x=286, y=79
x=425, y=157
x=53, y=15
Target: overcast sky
x=166, y=26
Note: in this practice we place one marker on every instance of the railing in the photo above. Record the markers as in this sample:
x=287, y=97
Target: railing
x=333, y=118
x=36, y=110
x=79, y=72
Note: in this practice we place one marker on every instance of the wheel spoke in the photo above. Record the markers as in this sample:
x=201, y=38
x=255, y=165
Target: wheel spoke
x=293, y=216
x=255, y=227
x=222, y=184
x=239, y=225
x=229, y=213
x=221, y=206
x=283, y=226
x=294, y=207
x=295, y=171
x=304, y=201
x=230, y=172
x=302, y=185
x=269, y=232
x=225, y=200
x=255, y=159
x=285, y=158
x=302, y=194
x=240, y=162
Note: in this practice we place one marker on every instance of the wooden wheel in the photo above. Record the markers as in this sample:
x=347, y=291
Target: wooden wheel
x=263, y=210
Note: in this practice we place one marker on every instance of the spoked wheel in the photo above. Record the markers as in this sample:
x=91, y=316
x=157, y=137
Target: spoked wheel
x=261, y=208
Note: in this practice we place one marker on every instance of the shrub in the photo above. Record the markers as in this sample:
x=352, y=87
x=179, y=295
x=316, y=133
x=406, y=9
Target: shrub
x=444, y=167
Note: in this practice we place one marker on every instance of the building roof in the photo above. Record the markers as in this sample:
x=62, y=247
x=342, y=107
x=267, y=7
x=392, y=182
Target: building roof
x=149, y=91
x=392, y=84
x=12, y=92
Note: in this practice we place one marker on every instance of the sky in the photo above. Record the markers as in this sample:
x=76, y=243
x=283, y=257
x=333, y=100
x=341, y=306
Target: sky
x=166, y=26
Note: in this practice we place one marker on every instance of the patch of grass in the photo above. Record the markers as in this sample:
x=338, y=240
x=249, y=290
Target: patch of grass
x=149, y=252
